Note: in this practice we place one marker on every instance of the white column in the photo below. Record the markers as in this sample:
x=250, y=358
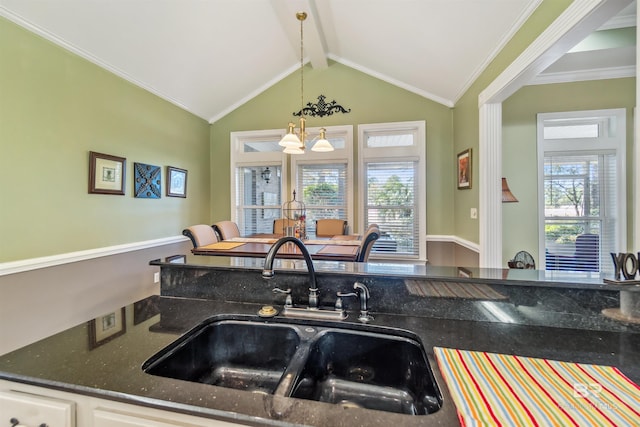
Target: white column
x=490, y=203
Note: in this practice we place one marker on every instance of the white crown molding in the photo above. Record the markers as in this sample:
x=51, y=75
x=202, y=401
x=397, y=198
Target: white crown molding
x=256, y=92
x=398, y=83
x=623, y=21
x=20, y=266
x=19, y=20
x=498, y=48
x=584, y=75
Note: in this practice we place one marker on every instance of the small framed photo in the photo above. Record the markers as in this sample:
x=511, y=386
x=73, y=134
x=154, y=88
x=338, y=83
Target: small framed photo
x=464, y=169
x=105, y=328
x=106, y=173
x=148, y=180
x=176, y=182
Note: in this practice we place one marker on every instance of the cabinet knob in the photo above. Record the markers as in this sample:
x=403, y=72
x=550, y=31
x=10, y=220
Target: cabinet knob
x=15, y=423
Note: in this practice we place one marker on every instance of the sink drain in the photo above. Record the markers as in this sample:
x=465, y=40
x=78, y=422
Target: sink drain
x=360, y=373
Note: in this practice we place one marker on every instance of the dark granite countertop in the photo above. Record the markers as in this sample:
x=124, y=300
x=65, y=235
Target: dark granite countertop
x=507, y=277
x=112, y=370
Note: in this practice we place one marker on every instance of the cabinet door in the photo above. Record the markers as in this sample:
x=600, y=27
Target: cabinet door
x=144, y=417
x=33, y=410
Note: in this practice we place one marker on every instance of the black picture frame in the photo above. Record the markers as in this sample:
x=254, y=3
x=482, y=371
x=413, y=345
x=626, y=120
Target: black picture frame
x=176, y=182
x=464, y=170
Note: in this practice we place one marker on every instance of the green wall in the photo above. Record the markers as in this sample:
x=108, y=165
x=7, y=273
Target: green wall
x=466, y=115
x=55, y=107
x=371, y=101
x=519, y=149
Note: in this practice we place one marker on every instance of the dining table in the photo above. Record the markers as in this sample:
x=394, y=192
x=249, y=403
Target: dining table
x=336, y=248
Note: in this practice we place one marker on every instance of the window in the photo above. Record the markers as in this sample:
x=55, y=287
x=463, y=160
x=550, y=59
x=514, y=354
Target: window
x=393, y=171
x=323, y=181
x=390, y=186
x=256, y=180
x=582, y=189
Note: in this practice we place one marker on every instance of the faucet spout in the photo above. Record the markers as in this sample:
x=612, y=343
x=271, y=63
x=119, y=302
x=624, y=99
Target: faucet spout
x=268, y=273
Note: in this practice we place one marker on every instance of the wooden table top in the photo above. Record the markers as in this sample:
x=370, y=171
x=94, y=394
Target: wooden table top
x=257, y=246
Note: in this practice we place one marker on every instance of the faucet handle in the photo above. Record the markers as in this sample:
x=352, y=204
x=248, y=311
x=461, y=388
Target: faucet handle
x=346, y=294
x=288, y=302
x=340, y=295
x=363, y=295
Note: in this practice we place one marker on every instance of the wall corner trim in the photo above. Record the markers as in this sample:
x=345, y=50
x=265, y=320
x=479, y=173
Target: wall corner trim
x=20, y=266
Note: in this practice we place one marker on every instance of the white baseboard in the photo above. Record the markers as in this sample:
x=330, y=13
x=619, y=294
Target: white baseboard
x=20, y=266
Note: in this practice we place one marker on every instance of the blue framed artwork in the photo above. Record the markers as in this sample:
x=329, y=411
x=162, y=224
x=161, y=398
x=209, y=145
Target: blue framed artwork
x=148, y=180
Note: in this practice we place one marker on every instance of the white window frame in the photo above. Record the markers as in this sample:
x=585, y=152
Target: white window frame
x=616, y=142
x=239, y=158
x=407, y=153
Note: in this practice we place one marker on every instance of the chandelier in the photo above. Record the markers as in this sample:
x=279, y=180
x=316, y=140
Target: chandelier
x=294, y=142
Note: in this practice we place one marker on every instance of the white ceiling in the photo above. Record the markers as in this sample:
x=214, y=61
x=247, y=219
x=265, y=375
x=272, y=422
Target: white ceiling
x=210, y=56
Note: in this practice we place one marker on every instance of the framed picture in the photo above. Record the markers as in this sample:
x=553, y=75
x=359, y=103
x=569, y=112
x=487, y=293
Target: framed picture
x=106, y=173
x=176, y=182
x=148, y=181
x=464, y=169
x=105, y=328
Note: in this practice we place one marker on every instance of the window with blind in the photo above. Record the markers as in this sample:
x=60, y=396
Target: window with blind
x=323, y=181
x=324, y=191
x=392, y=163
x=581, y=189
x=256, y=180
x=259, y=201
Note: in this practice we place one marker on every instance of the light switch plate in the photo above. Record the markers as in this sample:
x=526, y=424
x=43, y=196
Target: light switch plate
x=474, y=213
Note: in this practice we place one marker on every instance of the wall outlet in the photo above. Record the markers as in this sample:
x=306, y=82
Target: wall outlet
x=474, y=213
x=156, y=277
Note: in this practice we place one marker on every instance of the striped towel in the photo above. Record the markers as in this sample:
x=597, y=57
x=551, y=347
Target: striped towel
x=492, y=389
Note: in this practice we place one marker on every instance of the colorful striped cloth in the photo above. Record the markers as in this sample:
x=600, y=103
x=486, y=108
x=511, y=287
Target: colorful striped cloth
x=492, y=389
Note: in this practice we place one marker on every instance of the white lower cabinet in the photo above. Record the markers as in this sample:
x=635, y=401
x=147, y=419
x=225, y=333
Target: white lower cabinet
x=32, y=410
x=32, y=406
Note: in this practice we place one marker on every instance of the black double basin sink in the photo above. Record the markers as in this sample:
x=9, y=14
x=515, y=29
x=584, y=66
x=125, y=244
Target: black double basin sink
x=359, y=366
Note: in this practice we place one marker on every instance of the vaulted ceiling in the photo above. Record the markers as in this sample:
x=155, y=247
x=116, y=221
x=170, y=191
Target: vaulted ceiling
x=211, y=56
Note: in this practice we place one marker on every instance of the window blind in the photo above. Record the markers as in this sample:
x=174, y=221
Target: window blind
x=391, y=203
x=323, y=189
x=579, y=208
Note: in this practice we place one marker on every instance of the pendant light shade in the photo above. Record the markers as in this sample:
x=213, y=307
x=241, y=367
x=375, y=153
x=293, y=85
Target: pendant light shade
x=290, y=139
x=322, y=145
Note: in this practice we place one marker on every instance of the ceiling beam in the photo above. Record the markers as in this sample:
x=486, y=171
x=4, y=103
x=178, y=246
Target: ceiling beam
x=314, y=43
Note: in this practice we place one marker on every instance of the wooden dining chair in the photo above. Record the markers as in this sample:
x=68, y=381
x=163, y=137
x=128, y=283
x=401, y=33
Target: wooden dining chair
x=370, y=237
x=330, y=227
x=200, y=235
x=226, y=229
x=280, y=224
